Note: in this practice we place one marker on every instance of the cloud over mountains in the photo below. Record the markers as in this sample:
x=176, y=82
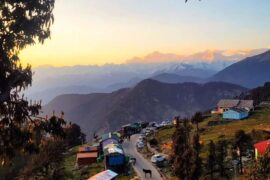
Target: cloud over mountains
x=207, y=56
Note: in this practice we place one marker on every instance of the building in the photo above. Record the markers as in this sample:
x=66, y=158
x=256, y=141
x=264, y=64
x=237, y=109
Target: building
x=86, y=149
x=261, y=147
x=235, y=114
x=226, y=104
x=86, y=158
x=106, y=139
x=114, y=157
x=129, y=129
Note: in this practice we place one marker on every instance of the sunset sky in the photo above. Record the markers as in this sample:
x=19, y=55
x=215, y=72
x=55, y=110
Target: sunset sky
x=112, y=31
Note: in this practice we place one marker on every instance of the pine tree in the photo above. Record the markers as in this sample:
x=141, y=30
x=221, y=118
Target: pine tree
x=242, y=141
x=211, y=158
x=197, y=170
x=221, y=154
x=197, y=118
x=182, y=158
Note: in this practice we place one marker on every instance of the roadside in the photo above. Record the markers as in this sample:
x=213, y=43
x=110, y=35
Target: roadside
x=141, y=162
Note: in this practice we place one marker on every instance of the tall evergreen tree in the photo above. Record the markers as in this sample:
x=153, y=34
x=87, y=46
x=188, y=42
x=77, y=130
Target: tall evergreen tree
x=211, y=158
x=221, y=154
x=242, y=142
x=197, y=118
x=197, y=170
x=22, y=23
x=182, y=151
x=74, y=135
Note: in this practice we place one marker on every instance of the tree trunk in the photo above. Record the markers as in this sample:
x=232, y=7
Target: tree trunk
x=240, y=162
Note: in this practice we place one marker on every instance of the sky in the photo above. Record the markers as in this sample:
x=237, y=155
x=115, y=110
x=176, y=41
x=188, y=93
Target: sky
x=97, y=32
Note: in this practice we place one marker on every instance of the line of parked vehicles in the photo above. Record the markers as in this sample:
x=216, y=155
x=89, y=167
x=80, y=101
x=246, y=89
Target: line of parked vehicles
x=148, y=130
x=157, y=159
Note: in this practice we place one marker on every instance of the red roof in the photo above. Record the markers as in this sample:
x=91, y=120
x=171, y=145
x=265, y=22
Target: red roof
x=262, y=146
x=87, y=155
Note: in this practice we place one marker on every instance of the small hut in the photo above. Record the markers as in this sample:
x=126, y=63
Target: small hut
x=86, y=158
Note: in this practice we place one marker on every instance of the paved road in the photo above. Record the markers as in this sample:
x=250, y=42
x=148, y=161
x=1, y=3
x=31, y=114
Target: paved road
x=130, y=149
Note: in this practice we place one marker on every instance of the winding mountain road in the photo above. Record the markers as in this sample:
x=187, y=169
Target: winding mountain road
x=141, y=162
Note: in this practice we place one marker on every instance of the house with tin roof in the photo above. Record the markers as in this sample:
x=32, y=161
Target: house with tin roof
x=226, y=104
x=235, y=114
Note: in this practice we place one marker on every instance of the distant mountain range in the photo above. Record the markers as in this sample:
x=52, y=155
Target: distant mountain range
x=49, y=82
x=174, y=78
x=149, y=100
x=168, y=92
x=250, y=72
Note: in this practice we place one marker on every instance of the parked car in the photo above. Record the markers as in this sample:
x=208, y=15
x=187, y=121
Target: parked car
x=153, y=124
x=142, y=136
x=149, y=130
x=140, y=145
x=157, y=158
x=148, y=133
x=165, y=123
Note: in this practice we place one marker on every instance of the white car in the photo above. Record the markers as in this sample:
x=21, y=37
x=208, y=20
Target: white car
x=157, y=158
x=153, y=124
x=165, y=123
x=141, y=138
x=149, y=130
x=148, y=133
x=140, y=145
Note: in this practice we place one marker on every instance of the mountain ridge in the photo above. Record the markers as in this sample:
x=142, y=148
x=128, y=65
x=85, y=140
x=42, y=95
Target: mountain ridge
x=251, y=72
x=149, y=100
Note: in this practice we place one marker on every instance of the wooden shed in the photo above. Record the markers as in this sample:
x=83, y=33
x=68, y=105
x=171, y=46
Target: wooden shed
x=86, y=158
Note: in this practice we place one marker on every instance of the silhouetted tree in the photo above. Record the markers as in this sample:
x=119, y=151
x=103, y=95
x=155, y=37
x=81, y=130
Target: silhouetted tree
x=54, y=127
x=22, y=23
x=242, y=142
x=182, y=157
x=221, y=154
x=197, y=118
x=74, y=135
x=197, y=170
x=258, y=94
x=47, y=163
x=211, y=158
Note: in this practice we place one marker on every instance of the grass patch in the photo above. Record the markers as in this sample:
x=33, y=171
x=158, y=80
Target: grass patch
x=259, y=120
x=85, y=172
x=73, y=172
x=164, y=134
